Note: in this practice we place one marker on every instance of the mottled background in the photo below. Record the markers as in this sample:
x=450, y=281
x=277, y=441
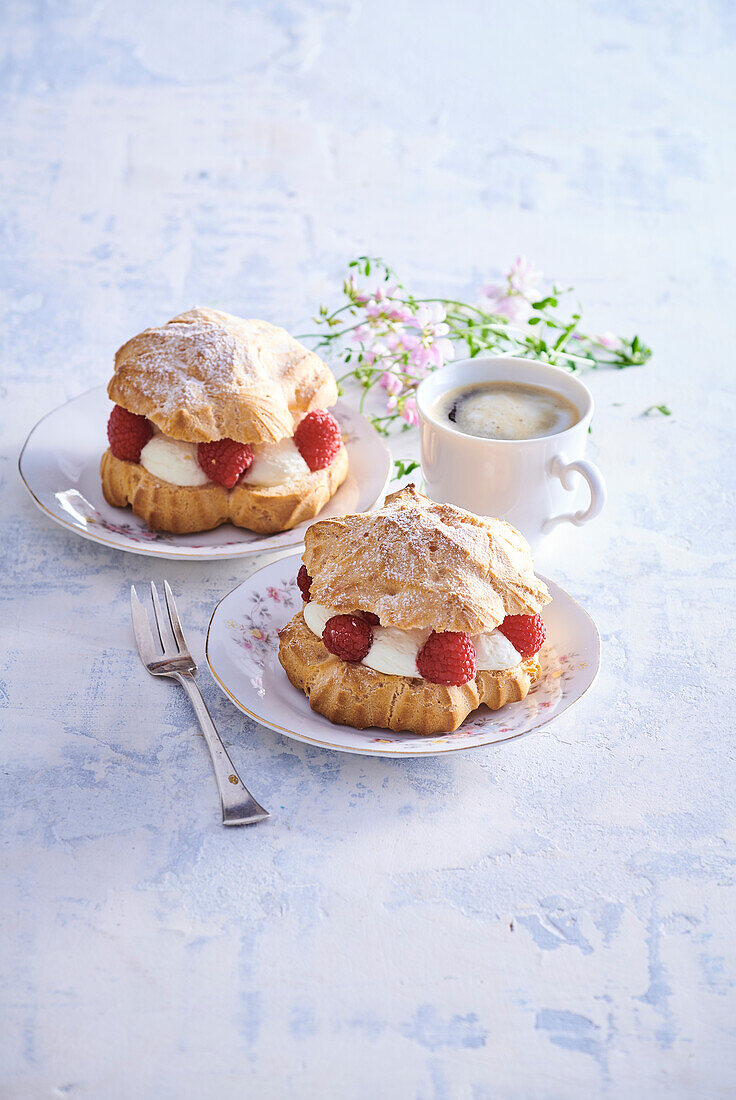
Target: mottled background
x=550, y=919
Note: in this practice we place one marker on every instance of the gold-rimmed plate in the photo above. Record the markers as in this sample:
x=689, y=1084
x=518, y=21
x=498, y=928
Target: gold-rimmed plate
x=242, y=653
x=60, y=468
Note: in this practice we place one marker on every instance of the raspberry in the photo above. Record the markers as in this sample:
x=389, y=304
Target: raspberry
x=348, y=637
x=305, y=583
x=128, y=434
x=224, y=460
x=447, y=658
x=318, y=439
x=371, y=618
x=525, y=632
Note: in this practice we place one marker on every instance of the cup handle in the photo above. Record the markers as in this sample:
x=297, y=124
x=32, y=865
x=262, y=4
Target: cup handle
x=564, y=470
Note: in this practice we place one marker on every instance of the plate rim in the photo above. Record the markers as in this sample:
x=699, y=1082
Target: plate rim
x=292, y=734
x=171, y=553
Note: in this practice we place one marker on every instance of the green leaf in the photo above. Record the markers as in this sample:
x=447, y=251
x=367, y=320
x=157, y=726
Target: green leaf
x=661, y=409
x=534, y=320
x=404, y=467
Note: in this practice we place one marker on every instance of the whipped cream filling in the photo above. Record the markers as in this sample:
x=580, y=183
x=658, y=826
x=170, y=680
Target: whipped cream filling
x=173, y=460
x=395, y=651
x=275, y=464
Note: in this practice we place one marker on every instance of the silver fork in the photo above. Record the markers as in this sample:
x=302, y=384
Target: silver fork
x=172, y=658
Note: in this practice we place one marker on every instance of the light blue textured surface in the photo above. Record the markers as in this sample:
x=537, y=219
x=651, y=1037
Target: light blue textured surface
x=552, y=919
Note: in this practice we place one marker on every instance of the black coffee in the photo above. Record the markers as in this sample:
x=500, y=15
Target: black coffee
x=506, y=410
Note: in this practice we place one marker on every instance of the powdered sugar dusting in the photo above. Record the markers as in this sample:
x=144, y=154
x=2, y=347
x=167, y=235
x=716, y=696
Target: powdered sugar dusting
x=207, y=375
x=419, y=564
x=188, y=365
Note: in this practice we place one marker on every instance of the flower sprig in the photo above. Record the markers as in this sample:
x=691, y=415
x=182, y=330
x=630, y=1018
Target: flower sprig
x=390, y=339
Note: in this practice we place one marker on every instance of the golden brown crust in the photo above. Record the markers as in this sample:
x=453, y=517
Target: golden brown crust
x=415, y=563
x=354, y=695
x=207, y=375
x=184, y=509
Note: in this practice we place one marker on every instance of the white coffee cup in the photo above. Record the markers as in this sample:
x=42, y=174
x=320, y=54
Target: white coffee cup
x=525, y=481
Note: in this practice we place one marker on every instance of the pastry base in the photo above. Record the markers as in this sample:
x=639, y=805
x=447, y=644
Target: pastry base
x=184, y=509
x=353, y=695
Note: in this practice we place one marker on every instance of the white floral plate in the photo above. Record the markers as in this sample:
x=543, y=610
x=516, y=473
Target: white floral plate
x=242, y=652
x=60, y=464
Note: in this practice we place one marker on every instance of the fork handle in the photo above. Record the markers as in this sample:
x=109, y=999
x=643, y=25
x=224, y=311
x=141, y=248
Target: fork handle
x=239, y=807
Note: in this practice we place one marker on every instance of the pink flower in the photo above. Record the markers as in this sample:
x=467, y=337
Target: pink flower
x=274, y=593
x=397, y=311
x=430, y=319
x=443, y=351
x=403, y=341
x=378, y=351
x=523, y=278
x=608, y=340
x=427, y=354
x=391, y=383
x=420, y=360
x=360, y=334
x=380, y=308
x=512, y=297
x=354, y=292
x=409, y=412
x=513, y=306
x=408, y=409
